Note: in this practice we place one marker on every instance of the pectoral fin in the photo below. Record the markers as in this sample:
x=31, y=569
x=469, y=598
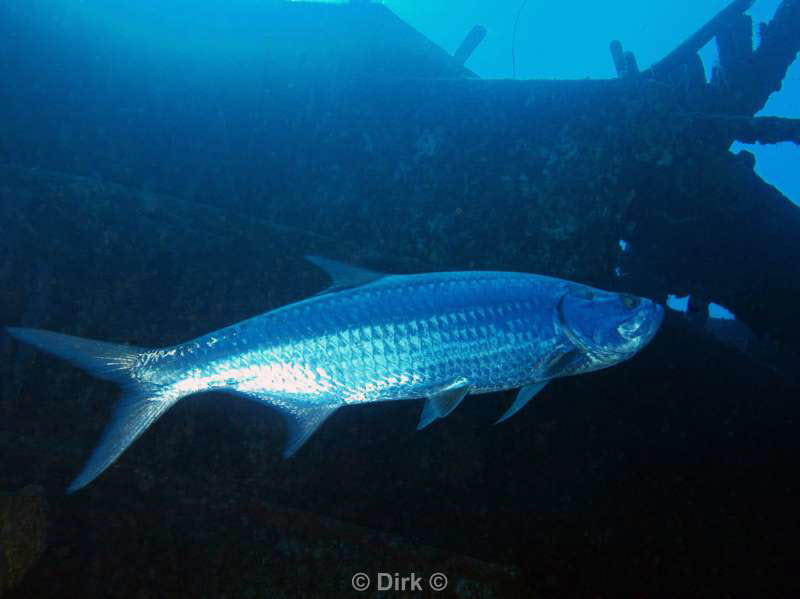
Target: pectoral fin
x=443, y=402
x=525, y=394
x=563, y=364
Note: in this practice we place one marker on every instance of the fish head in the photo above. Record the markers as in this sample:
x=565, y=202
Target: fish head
x=605, y=327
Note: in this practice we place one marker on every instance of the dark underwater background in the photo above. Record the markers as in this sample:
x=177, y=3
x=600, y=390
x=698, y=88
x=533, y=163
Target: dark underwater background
x=164, y=168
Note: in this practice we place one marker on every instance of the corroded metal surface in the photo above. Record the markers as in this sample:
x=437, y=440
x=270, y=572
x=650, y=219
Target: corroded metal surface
x=23, y=534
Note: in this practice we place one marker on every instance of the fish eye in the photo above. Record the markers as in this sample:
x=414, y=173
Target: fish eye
x=630, y=301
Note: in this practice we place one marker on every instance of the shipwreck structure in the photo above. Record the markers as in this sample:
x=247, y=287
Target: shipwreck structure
x=151, y=201
x=297, y=137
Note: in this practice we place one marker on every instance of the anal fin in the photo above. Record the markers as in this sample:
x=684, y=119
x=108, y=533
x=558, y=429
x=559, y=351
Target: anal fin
x=302, y=418
x=301, y=423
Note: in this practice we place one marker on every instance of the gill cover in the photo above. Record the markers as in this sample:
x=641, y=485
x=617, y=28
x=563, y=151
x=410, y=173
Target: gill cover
x=606, y=326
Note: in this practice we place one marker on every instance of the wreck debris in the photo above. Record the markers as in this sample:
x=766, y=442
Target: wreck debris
x=631, y=67
x=468, y=45
x=624, y=61
x=778, y=48
x=697, y=40
x=763, y=129
x=618, y=56
x=743, y=77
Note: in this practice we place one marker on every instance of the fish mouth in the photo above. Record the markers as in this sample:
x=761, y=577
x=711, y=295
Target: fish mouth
x=642, y=326
x=613, y=329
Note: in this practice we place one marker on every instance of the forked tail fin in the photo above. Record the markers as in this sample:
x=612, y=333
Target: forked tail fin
x=141, y=404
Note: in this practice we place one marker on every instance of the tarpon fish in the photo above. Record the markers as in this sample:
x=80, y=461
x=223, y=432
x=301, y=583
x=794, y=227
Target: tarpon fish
x=371, y=337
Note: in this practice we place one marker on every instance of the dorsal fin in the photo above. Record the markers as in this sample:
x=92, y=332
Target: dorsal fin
x=344, y=276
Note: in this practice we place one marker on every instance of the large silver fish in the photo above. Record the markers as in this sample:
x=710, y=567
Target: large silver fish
x=371, y=337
